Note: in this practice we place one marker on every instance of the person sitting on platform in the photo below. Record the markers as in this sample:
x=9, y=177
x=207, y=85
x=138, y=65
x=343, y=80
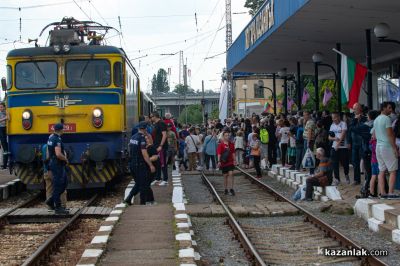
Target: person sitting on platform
x=322, y=176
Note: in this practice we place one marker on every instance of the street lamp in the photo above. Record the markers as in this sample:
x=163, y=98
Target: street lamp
x=260, y=84
x=318, y=58
x=382, y=31
x=245, y=87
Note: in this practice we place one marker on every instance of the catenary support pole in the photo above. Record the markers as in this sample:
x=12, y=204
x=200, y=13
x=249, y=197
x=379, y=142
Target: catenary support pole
x=299, y=86
x=369, y=66
x=285, y=100
x=339, y=78
x=274, y=90
x=316, y=87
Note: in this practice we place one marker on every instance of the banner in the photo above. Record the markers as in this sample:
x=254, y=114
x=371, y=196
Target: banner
x=223, y=101
x=305, y=97
x=327, y=96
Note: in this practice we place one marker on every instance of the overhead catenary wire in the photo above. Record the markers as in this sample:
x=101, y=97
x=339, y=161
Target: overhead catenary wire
x=212, y=43
x=83, y=11
x=98, y=13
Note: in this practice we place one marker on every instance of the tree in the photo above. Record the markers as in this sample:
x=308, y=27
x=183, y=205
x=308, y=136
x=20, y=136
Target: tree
x=253, y=5
x=194, y=114
x=182, y=89
x=159, y=82
x=214, y=113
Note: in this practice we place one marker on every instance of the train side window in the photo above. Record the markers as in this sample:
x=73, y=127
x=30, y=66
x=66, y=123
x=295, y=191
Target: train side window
x=118, y=77
x=9, y=77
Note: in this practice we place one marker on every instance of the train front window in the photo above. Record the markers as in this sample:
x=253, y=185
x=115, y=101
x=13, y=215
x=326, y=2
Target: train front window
x=88, y=73
x=36, y=75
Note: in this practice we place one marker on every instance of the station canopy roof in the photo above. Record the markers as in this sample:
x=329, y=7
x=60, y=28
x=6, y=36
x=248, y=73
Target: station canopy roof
x=293, y=30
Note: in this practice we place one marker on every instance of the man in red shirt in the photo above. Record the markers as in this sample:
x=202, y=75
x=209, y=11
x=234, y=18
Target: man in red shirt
x=226, y=161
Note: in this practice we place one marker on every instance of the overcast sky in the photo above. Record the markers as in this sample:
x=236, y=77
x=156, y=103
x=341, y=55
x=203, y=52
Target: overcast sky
x=149, y=28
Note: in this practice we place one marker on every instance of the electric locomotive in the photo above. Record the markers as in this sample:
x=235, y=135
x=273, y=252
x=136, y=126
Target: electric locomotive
x=91, y=88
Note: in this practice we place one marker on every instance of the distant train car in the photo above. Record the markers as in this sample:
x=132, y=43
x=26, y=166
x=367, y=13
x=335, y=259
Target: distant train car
x=147, y=104
x=91, y=88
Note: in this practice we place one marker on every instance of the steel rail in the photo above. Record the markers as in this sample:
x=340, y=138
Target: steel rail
x=329, y=230
x=3, y=217
x=47, y=246
x=248, y=246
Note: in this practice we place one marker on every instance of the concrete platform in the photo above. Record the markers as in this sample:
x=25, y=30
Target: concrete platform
x=383, y=216
x=295, y=179
x=145, y=234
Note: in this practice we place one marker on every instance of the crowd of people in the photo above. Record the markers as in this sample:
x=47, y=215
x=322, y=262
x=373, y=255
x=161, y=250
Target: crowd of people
x=366, y=140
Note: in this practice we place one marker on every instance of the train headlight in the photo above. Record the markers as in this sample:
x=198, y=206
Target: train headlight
x=57, y=48
x=66, y=48
x=26, y=115
x=97, y=118
x=27, y=119
x=97, y=112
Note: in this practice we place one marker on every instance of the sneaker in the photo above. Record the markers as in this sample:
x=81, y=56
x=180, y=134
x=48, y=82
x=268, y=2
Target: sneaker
x=163, y=183
x=151, y=203
x=61, y=211
x=347, y=179
x=127, y=203
x=258, y=177
x=226, y=192
x=308, y=199
x=392, y=196
x=50, y=205
x=372, y=196
x=383, y=196
x=335, y=182
x=133, y=200
x=153, y=183
x=232, y=192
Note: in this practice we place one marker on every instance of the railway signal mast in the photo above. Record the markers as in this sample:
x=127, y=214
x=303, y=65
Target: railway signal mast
x=229, y=79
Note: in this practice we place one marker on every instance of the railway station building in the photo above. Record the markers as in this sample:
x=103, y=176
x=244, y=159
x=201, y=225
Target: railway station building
x=293, y=38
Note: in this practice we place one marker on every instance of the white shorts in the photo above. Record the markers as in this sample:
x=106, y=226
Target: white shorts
x=387, y=160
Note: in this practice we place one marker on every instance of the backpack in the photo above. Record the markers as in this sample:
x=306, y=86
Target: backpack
x=264, y=136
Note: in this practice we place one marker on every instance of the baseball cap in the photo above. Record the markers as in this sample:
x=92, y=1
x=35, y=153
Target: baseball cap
x=143, y=124
x=58, y=127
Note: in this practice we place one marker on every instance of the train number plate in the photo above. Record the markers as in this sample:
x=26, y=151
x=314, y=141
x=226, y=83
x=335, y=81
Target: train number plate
x=68, y=127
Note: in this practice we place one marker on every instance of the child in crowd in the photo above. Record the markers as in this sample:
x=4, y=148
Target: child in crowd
x=239, y=147
x=292, y=147
x=182, y=153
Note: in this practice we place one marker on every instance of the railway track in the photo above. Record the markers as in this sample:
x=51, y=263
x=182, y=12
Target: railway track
x=31, y=235
x=291, y=236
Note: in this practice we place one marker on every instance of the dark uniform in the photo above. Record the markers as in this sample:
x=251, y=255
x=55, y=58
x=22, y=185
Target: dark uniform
x=139, y=169
x=57, y=168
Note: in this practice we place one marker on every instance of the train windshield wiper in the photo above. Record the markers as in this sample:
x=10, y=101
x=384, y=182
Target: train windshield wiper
x=84, y=68
x=38, y=68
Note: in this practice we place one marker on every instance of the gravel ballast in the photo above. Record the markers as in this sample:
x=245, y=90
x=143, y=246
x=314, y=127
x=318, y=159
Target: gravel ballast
x=215, y=243
x=350, y=225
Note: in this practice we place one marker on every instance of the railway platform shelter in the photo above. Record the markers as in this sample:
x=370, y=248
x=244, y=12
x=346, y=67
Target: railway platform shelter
x=284, y=35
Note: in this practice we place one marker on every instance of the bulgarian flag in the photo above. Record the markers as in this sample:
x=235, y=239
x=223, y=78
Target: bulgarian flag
x=352, y=76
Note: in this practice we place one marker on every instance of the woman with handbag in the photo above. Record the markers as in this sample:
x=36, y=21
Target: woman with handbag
x=256, y=153
x=227, y=161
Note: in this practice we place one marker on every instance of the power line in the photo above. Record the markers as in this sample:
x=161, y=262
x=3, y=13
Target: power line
x=97, y=11
x=212, y=43
x=82, y=10
x=171, y=43
x=36, y=6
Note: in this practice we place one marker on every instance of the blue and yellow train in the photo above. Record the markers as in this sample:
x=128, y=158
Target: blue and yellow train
x=92, y=89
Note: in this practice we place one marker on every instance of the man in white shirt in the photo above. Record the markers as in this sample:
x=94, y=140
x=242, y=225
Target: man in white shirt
x=192, y=142
x=386, y=150
x=340, y=152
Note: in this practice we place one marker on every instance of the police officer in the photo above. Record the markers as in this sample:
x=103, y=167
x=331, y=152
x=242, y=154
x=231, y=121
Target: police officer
x=141, y=166
x=57, y=164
